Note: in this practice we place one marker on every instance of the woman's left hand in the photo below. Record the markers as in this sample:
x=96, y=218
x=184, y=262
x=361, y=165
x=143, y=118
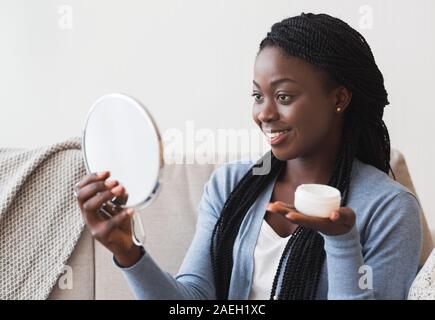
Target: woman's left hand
x=339, y=222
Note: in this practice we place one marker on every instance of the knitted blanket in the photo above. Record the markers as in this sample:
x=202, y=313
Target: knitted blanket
x=40, y=220
x=423, y=287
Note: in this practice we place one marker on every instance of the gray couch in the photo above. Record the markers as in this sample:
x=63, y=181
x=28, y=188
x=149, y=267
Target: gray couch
x=169, y=224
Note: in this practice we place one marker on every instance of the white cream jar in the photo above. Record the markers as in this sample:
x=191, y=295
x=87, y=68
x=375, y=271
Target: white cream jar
x=317, y=200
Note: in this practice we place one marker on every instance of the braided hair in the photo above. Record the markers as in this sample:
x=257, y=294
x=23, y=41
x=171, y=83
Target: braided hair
x=333, y=46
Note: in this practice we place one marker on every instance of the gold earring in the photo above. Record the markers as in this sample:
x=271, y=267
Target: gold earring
x=338, y=109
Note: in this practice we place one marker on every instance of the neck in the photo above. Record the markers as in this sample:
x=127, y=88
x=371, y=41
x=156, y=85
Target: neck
x=315, y=167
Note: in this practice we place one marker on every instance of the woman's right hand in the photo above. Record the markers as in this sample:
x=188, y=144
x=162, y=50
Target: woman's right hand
x=114, y=233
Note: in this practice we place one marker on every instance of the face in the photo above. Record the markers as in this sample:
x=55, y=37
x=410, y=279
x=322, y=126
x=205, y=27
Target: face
x=293, y=101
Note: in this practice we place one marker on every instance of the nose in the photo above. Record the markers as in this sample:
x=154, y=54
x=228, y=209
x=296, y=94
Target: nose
x=268, y=112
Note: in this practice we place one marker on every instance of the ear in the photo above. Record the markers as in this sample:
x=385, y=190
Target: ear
x=342, y=98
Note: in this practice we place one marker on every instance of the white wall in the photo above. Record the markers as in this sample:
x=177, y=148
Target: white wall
x=192, y=60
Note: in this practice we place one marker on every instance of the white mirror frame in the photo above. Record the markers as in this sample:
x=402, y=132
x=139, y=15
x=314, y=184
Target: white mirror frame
x=151, y=197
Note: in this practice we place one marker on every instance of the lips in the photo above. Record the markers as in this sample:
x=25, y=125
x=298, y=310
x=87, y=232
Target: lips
x=276, y=136
x=273, y=135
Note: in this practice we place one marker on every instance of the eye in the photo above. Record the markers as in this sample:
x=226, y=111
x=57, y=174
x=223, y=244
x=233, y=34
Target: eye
x=284, y=98
x=257, y=96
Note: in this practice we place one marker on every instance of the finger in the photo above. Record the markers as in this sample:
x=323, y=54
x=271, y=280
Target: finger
x=307, y=221
x=123, y=198
x=90, y=190
x=335, y=216
x=92, y=177
x=110, y=208
x=120, y=198
x=93, y=219
x=278, y=207
x=347, y=216
x=121, y=218
x=117, y=221
x=94, y=203
x=119, y=192
x=113, y=206
x=94, y=212
x=285, y=204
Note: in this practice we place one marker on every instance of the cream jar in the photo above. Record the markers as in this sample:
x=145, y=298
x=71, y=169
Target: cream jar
x=317, y=200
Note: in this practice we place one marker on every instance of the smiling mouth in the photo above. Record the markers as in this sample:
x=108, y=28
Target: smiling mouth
x=273, y=135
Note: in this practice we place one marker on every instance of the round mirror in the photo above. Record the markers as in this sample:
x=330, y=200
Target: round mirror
x=121, y=136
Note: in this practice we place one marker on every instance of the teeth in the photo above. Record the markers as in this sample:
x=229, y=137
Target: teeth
x=275, y=134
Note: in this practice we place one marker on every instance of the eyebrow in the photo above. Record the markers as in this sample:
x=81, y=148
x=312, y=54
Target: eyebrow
x=276, y=82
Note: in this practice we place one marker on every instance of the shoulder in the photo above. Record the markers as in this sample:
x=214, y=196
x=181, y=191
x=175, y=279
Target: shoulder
x=379, y=200
x=227, y=176
x=370, y=183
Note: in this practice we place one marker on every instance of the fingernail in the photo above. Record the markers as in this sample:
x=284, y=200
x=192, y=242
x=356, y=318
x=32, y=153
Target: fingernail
x=110, y=183
x=102, y=174
x=130, y=212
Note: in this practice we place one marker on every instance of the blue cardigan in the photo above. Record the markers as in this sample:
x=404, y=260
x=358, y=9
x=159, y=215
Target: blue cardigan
x=384, y=245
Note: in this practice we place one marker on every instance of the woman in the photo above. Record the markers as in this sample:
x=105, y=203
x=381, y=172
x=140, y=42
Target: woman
x=319, y=98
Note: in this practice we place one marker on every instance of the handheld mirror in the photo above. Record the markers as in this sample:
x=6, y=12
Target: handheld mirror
x=121, y=136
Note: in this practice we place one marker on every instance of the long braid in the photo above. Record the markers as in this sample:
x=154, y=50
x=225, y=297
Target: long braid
x=334, y=47
x=289, y=244
x=227, y=226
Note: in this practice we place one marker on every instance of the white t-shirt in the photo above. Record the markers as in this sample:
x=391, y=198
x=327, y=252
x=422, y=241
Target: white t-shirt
x=267, y=254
